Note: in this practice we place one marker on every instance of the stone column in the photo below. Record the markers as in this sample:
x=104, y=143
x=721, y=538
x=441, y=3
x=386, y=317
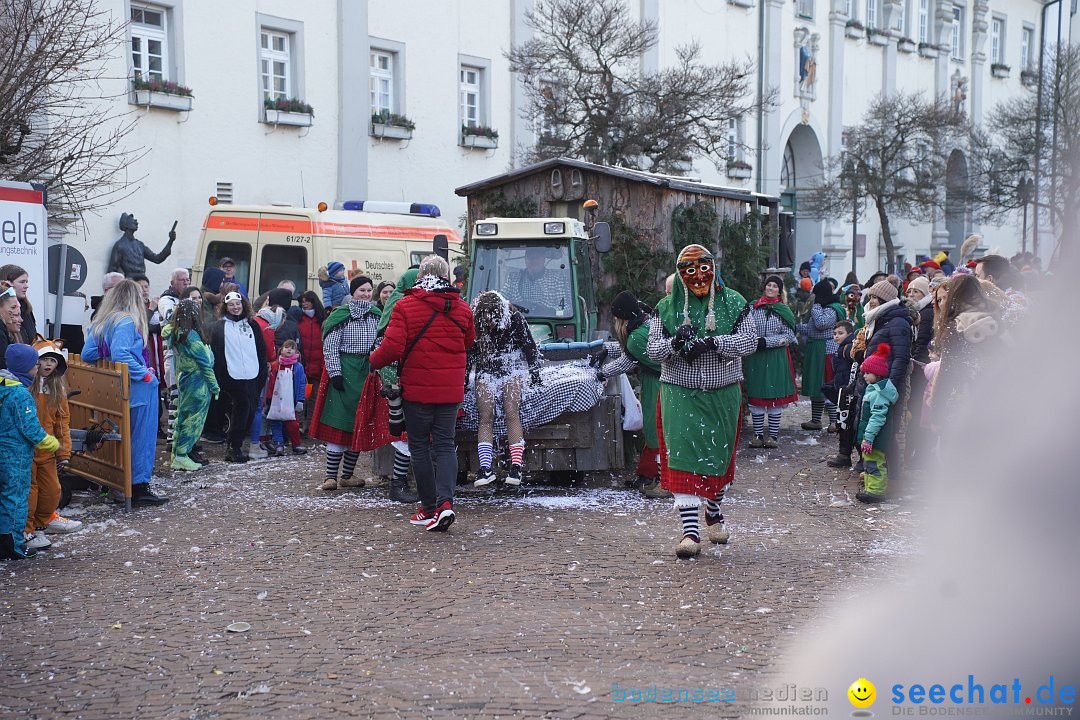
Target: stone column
x=941, y=34
x=354, y=100
x=521, y=135
x=836, y=234
x=650, y=61
x=773, y=154
x=890, y=10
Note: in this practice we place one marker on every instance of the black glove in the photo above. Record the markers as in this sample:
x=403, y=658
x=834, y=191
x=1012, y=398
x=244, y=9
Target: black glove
x=598, y=359
x=698, y=348
x=534, y=375
x=600, y=376
x=760, y=343
x=683, y=337
x=390, y=392
x=172, y=236
x=338, y=382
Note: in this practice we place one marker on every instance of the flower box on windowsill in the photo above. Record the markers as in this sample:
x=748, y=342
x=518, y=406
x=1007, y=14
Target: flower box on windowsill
x=391, y=132
x=479, y=141
x=739, y=170
x=281, y=117
x=906, y=45
x=999, y=70
x=167, y=101
x=927, y=50
x=878, y=37
x=854, y=30
x=1029, y=77
x=742, y=3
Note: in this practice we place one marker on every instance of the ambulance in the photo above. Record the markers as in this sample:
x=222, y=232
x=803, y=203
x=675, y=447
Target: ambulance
x=271, y=243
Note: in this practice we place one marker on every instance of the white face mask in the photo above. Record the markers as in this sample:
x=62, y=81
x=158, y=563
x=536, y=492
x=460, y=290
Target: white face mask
x=310, y=312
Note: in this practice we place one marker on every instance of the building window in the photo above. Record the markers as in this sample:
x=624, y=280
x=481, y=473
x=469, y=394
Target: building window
x=1027, y=42
x=957, y=51
x=871, y=14
x=382, y=82
x=274, y=61
x=149, y=43
x=469, y=83
x=733, y=143
x=924, y=21
x=805, y=9
x=851, y=9
x=997, y=40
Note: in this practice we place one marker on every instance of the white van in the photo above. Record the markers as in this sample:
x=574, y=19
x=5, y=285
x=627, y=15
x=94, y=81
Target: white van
x=271, y=243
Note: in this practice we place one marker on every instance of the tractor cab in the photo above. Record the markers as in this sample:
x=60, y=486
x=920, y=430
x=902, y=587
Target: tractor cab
x=543, y=267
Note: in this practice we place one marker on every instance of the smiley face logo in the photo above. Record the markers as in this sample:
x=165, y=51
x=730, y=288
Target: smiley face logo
x=862, y=693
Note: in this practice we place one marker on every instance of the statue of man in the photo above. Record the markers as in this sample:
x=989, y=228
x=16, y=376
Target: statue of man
x=129, y=254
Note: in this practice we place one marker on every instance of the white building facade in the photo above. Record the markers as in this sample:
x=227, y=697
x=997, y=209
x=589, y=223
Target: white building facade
x=441, y=65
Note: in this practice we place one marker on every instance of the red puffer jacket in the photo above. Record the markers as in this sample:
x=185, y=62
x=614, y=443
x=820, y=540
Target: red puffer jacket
x=311, y=348
x=268, y=338
x=434, y=372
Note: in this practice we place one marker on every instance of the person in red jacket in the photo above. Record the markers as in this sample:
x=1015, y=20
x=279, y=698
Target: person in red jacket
x=429, y=334
x=309, y=318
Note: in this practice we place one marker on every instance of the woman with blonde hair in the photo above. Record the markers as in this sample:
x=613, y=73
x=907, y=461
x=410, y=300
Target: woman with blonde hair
x=120, y=333
x=18, y=278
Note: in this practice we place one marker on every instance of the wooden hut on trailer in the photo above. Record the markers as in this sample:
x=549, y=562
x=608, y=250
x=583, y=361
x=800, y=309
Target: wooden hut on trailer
x=644, y=202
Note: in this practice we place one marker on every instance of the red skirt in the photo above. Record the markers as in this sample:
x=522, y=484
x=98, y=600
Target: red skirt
x=828, y=369
x=371, y=427
x=326, y=433
x=680, y=481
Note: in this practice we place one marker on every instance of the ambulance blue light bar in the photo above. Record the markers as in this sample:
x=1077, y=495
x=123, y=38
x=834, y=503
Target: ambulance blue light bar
x=396, y=208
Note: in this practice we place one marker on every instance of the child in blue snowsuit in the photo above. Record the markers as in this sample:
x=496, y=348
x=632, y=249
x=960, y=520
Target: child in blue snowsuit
x=20, y=434
x=874, y=426
x=335, y=285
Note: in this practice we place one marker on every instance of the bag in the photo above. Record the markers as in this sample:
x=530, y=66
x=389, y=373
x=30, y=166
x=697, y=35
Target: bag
x=633, y=419
x=282, y=403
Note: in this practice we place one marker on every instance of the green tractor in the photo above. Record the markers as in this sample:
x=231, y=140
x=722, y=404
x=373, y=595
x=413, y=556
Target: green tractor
x=543, y=267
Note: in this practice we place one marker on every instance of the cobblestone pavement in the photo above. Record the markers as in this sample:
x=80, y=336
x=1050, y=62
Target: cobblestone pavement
x=536, y=604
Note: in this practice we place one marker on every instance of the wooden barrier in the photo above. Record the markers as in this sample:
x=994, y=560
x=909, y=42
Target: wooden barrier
x=105, y=396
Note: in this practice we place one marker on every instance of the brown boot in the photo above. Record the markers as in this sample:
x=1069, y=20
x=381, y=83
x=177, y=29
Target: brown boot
x=653, y=491
x=351, y=482
x=329, y=484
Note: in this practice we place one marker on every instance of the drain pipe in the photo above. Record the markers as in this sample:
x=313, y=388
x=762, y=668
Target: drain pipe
x=760, y=152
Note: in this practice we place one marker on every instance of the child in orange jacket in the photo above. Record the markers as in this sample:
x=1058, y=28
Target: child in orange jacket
x=50, y=396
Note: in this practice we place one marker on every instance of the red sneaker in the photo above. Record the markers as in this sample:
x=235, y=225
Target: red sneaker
x=423, y=518
x=444, y=518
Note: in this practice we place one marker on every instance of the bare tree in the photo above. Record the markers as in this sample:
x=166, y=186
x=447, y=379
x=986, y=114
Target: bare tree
x=589, y=98
x=1005, y=152
x=54, y=129
x=895, y=159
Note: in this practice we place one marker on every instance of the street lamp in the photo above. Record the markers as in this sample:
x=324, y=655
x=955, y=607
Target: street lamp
x=1025, y=192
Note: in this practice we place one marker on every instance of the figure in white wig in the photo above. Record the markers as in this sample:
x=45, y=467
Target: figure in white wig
x=505, y=358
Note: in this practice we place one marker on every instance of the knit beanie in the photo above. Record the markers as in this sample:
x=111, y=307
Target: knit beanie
x=806, y=284
x=921, y=284
x=21, y=359
x=625, y=306
x=333, y=268
x=775, y=279
x=358, y=281
x=884, y=291
x=878, y=363
x=823, y=293
x=280, y=297
x=212, y=279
